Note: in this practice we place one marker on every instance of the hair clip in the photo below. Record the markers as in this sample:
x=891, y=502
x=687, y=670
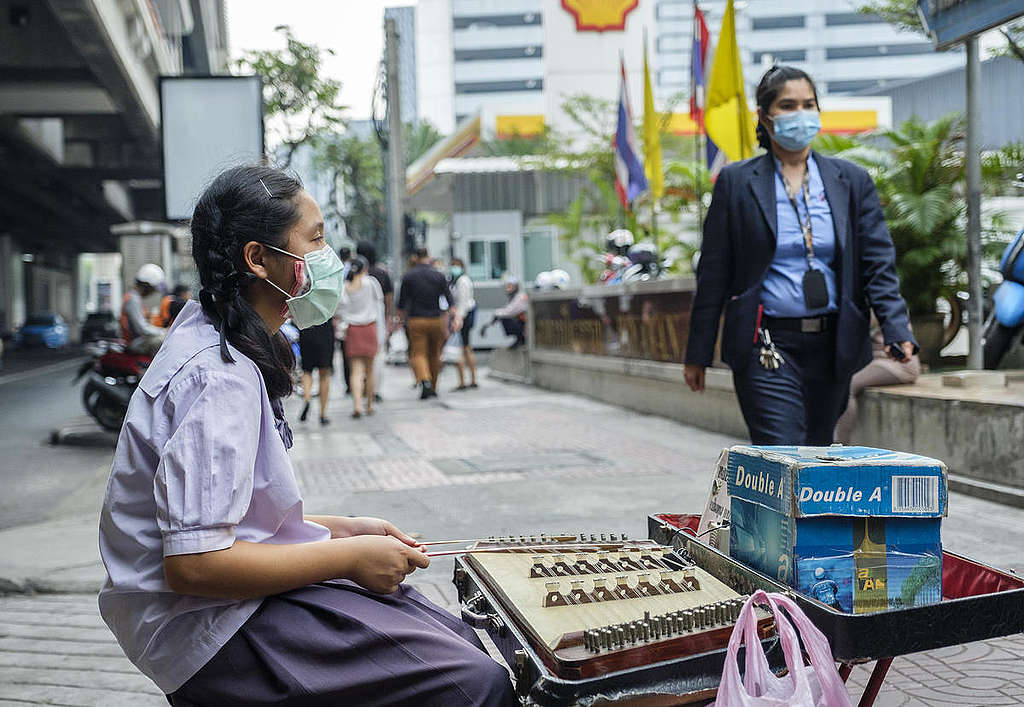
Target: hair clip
x=265, y=188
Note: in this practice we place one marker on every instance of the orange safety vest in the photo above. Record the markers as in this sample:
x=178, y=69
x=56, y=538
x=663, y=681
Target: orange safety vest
x=126, y=330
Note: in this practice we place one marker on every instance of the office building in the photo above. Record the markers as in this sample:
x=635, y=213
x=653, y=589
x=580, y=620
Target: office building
x=516, y=61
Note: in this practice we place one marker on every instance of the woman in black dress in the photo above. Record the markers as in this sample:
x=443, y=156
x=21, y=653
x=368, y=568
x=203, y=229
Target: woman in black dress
x=316, y=349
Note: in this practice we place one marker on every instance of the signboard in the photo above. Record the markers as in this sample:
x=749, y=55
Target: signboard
x=644, y=325
x=949, y=22
x=600, y=15
x=207, y=124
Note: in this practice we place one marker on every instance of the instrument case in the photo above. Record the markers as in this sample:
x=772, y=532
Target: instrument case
x=686, y=680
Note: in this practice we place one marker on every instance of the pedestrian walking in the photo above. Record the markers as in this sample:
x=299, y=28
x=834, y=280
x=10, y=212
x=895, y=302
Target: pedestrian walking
x=316, y=353
x=422, y=290
x=361, y=303
x=882, y=370
x=340, y=329
x=796, y=251
x=465, y=309
x=219, y=587
x=388, y=320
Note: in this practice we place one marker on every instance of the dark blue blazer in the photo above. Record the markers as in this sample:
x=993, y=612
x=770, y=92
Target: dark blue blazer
x=739, y=245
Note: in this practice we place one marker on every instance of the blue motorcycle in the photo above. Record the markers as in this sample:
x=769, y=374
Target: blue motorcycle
x=1006, y=322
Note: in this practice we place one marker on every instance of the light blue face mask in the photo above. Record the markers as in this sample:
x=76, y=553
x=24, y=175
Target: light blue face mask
x=794, y=131
x=318, y=286
x=456, y=271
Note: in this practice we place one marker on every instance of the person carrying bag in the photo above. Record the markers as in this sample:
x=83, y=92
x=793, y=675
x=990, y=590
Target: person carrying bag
x=814, y=685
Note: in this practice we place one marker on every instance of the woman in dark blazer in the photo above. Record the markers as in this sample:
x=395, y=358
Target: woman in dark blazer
x=795, y=252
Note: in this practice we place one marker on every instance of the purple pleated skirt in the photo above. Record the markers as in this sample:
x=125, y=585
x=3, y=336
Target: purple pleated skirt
x=336, y=644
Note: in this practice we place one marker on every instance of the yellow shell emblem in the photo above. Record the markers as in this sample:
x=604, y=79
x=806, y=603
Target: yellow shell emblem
x=599, y=15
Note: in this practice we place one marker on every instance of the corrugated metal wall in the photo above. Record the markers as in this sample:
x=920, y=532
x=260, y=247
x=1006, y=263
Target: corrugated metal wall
x=1002, y=99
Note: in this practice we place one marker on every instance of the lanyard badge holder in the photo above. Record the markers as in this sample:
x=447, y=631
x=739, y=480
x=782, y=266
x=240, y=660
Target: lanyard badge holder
x=814, y=286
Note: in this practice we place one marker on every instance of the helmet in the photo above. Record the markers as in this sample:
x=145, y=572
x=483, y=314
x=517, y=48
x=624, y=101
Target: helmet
x=620, y=240
x=510, y=279
x=819, y=572
x=643, y=253
x=559, y=279
x=151, y=274
x=543, y=281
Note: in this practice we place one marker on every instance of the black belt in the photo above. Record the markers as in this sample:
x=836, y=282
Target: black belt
x=806, y=325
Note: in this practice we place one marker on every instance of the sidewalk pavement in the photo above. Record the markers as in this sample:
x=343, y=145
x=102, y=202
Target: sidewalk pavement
x=503, y=459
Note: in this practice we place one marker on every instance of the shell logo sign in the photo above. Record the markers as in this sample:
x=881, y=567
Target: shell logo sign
x=599, y=15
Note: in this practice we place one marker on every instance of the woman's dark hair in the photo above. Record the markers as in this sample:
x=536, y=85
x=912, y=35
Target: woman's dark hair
x=459, y=261
x=368, y=250
x=768, y=90
x=249, y=203
x=357, y=265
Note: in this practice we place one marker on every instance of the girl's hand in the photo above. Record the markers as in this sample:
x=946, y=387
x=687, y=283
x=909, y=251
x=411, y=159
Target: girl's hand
x=345, y=527
x=381, y=563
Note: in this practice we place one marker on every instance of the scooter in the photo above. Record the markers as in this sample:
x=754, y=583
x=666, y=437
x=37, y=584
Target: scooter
x=1005, y=324
x=110, y=379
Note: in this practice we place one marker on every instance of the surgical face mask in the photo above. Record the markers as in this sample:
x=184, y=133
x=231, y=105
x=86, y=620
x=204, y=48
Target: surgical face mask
x=456, y=271
x=318, y=284
x=794, y=131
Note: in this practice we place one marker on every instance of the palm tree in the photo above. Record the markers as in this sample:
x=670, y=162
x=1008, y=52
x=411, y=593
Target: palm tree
x=919, y=176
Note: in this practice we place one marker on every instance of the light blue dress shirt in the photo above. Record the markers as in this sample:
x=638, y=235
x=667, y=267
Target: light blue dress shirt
x=782, y=292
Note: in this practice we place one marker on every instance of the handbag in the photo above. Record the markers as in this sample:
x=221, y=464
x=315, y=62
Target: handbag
x=814, y=685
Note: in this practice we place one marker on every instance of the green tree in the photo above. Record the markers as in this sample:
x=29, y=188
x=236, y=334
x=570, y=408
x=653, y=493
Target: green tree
x=903, y=14
x=919, y=170
x=356, y=164
x=299, y=103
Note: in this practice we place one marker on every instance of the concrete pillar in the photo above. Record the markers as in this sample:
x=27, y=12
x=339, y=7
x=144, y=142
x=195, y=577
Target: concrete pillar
x=12, y=285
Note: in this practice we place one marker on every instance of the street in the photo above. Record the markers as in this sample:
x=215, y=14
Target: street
x=502, y=459
x=39, y=478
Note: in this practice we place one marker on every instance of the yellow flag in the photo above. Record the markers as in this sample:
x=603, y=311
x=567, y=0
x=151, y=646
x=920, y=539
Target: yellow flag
x=652, y=136
x=726, y=116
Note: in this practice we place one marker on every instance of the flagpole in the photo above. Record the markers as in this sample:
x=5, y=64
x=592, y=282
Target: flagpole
x=654, y=221
x=698, y=133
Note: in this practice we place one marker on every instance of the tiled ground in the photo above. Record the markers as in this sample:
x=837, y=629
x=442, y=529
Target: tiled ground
x=498, y=460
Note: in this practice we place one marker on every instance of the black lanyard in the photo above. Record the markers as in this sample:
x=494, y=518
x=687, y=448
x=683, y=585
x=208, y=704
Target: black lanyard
x=805, y=226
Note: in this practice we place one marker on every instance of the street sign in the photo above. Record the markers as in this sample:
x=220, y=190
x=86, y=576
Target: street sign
x=208, y=123
x=950, y=22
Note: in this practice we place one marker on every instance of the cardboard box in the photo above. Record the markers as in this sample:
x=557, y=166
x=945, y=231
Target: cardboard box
x=855, y=527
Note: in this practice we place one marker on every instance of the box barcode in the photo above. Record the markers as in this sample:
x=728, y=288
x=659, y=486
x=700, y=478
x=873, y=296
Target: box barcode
x=915, y=494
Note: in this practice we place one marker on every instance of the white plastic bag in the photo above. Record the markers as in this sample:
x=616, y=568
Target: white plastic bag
x=814, y=685
x=452, y=351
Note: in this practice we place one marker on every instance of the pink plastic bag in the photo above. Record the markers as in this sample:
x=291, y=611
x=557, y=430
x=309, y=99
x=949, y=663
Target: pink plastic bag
x=814, y=685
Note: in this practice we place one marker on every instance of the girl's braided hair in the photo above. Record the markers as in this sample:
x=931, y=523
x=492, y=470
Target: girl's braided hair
x=248, y=203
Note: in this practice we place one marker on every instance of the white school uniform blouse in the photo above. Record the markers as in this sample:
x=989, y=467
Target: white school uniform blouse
x=201, y=461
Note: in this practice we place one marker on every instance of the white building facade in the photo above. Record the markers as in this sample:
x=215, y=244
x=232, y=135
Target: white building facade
x=516, y=61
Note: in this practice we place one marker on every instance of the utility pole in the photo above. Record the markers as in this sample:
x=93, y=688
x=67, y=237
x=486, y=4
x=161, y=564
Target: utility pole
x=396, y=150
x=974, y=309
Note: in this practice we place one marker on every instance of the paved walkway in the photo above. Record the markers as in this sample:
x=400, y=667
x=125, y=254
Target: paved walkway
x=499, y=460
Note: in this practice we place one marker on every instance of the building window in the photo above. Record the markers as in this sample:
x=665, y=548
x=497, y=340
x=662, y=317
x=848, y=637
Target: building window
x=781, y=22
x=673, y=77
x=488, y=260
x=673, y=43
x=525, y=19
x=500, y=86
x=674, y=10
x=837, y=19
x=530, y=52
x=851, y=86
x=781, y=57
x=877, y=50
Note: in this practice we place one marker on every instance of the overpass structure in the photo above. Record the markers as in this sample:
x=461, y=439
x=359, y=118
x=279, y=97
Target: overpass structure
x=80, y=135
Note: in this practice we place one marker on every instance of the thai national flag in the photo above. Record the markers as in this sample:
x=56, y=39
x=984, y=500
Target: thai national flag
x=698, y=82
x=630, y=180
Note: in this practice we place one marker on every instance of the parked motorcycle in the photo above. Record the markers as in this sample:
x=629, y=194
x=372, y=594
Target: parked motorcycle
x=1006, y=322
x=110, y=379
